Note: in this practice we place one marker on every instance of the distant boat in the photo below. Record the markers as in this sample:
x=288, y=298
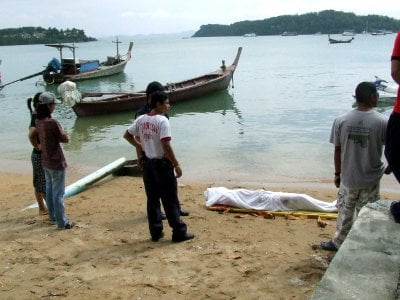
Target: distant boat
x=289, y=33
x=349, y=33
x=378, y=32
x=381, y=32
x=250, y=34
x=382, y=85
x=335, y=41
x=74, y=69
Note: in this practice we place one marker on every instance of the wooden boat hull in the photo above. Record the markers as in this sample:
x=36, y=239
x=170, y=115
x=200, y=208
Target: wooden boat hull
x=101, y=72
x=114, y=104
x=178, y=91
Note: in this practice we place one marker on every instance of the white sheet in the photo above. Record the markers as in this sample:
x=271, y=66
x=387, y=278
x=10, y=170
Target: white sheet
x=266, y=200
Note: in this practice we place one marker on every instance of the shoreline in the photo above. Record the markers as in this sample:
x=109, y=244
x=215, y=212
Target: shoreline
x=389, y=186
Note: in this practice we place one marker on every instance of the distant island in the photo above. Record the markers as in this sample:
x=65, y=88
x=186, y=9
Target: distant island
x=324, y=22
x=39, y=35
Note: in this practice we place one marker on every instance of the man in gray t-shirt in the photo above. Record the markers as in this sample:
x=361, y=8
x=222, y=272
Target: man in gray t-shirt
x=358, y=137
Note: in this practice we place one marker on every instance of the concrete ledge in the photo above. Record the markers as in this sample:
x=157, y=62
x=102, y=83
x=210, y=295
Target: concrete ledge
x=367, y=265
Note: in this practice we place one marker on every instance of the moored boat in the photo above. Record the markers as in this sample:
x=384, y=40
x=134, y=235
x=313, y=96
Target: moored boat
x=335, y=41
x=106, y=103
x=349, y=33
x=383, y=86
x=74, y=69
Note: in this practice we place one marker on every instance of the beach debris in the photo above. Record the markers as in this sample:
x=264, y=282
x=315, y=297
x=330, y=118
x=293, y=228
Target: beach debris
x=321, y=223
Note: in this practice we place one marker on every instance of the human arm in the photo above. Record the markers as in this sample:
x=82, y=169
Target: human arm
x=395, y=70
x=169, y=153
x=135, y=141
x=32, y=135
x=338, y=165
x=64, y=137
x=388, y=170
x=395, y=58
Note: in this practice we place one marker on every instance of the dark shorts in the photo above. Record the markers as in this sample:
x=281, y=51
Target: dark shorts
x=392, y=144
x=39, y=180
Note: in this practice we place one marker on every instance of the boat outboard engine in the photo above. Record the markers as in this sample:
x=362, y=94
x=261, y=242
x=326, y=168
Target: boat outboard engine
x=68, y=93
x=51, y=71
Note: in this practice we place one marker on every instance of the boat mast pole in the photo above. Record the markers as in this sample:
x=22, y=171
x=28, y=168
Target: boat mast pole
x=117, y=42
x=73, y=55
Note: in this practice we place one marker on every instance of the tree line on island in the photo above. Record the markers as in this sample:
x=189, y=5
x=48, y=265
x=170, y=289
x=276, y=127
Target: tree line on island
x=39, y=35
x=325, y=22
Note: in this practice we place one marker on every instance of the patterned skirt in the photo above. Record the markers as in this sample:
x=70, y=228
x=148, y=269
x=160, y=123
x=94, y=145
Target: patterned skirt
x=39, y=180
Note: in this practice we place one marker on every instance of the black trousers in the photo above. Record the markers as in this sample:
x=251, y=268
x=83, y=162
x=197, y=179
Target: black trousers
x=160, y=183
x=392, y=144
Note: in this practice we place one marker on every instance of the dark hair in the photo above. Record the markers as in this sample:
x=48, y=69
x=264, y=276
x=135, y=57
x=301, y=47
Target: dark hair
x=43, y=111
x=158, y=97
x=35, y=102
x=364, y=91
x=153, y=87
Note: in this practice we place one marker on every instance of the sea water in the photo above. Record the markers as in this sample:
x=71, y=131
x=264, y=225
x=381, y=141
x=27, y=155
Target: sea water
x=272, y=125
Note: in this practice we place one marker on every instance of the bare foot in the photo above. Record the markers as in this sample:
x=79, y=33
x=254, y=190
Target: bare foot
x=43, y=211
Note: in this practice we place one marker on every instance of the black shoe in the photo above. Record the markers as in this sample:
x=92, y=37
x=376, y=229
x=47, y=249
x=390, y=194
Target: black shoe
x=156, y=238
x=329, y=246
x=187, y=236
x=163, y=216
x=183, y=213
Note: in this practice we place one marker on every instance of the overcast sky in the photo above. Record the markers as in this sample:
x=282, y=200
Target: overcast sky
x=130, y=17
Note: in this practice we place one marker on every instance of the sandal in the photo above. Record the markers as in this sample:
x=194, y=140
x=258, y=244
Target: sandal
x=329, y=246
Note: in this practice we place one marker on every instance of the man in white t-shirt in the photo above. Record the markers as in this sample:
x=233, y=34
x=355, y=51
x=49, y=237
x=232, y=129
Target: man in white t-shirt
x=151, y=135
x=358, y=137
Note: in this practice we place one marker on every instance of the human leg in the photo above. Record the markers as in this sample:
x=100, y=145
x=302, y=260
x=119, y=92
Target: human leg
x=169, y=198
x=392, y=144
x=366, y=196
x=49, y=194
x=41, y=203
x=39, y=181
x=154, y=215
x=58, y=189
x=349, y=199
x=329, y=245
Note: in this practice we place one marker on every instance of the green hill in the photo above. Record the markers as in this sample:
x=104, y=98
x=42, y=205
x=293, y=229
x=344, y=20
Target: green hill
x=327, y=21
x=39, y=35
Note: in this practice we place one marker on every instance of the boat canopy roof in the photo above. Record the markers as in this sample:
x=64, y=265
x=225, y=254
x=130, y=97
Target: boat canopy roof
x=61, y=46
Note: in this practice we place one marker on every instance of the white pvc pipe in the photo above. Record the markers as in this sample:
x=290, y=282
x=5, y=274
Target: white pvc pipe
x=85, y=182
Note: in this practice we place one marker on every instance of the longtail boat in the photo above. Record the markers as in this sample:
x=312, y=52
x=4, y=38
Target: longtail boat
x=93, y=104
x=73, y=69
x=335, y=41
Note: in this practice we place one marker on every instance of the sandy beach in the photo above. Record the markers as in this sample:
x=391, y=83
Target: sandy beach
x=109, y=254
